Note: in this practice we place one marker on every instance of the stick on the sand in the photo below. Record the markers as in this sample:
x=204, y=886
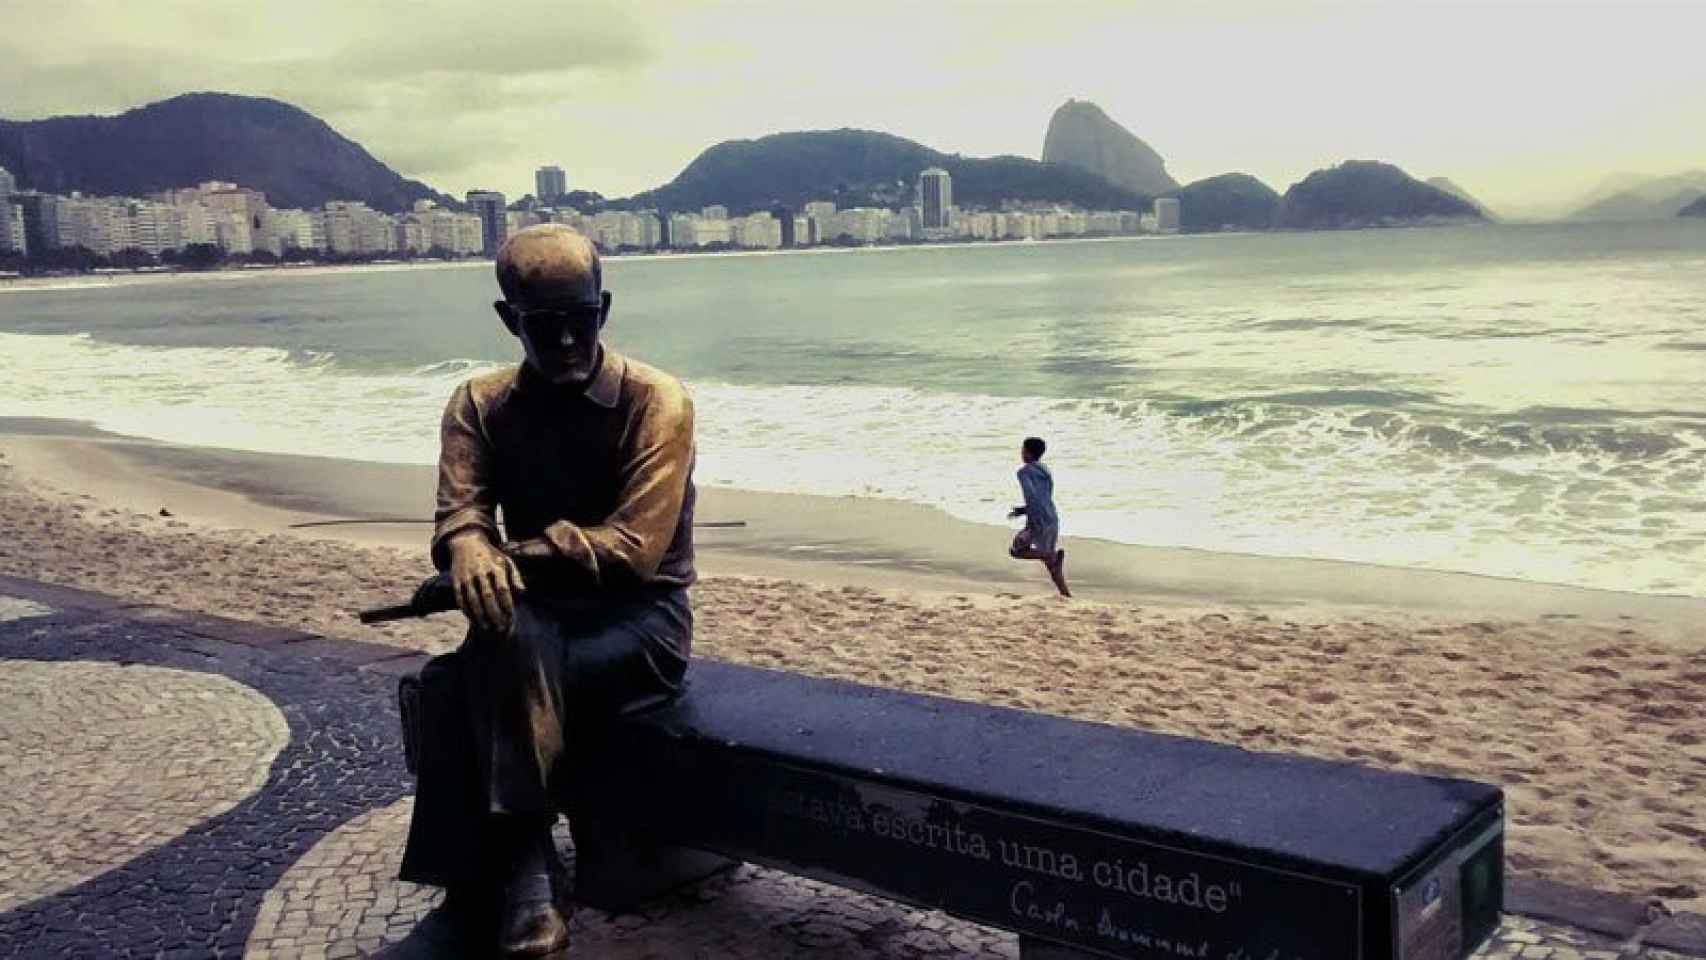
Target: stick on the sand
x=713, y=524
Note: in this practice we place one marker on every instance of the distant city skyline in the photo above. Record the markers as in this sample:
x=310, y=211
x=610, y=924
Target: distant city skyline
x=1526, y=104
x=60, y=231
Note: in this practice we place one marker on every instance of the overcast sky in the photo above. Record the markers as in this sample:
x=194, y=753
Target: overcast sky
x=1526, y=104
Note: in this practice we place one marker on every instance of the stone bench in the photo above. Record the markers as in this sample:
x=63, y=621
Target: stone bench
x=1085, y=839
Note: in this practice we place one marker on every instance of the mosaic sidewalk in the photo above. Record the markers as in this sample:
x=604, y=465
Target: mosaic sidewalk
x=177, y=785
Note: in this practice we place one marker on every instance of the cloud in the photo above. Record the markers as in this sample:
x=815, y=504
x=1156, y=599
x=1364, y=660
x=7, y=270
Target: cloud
x=432, y=88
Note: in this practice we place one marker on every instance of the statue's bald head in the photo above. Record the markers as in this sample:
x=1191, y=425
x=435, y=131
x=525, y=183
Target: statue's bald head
x=549, y=264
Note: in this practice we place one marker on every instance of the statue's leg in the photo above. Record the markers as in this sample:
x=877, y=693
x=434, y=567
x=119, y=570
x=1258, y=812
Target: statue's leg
x=444, y=845
x=524, y=701
x=525, y=692
x=634, y=659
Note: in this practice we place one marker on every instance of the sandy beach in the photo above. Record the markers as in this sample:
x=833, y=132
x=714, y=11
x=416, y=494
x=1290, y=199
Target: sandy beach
x=1588, y=707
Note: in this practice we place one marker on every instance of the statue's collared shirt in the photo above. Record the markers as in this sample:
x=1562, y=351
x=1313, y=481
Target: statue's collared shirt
x=604, y=473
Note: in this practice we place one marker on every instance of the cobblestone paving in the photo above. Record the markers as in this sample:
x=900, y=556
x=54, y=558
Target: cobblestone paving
x=343, y=893
x=12, y=608
x=305, y=865
x=342, y=899
x=1522, y=937
x=104, y=762
x=197, y=894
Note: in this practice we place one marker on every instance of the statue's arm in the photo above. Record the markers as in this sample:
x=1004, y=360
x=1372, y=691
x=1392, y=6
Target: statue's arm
x=628, y=546
x=467, y=497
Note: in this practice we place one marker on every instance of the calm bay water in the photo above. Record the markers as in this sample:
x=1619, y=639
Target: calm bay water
x=1516, y=401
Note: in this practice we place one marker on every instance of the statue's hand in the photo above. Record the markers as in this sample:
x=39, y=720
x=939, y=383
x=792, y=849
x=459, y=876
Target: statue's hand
x=486, y=581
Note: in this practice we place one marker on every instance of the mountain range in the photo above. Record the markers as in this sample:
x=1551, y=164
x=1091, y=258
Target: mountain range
x=1695, y=209
x=1628, y=198
x=1090, y=160
x=295, y=158
x=866, y=168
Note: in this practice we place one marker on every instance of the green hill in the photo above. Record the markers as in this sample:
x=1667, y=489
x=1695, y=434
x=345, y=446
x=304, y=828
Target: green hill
x=271, y=146
x=1360, y=193
x=1231, y=201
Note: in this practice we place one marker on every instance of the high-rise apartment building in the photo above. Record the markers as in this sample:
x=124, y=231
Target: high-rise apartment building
x=493, y=211
x=353, y=228
x=41, y=219
x=935, y=198
x=1166, y=215
x=549, y=185
x=300, y=229
x=785, y=217
x=100, y=225
x=154, y=226
x=20, y=240
x=7, y=214
x=519, y=220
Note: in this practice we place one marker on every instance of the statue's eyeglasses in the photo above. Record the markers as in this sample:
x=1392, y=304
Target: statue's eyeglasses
x=557, y=317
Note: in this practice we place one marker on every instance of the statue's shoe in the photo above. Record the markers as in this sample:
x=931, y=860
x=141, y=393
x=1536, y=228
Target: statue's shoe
x=532, y=928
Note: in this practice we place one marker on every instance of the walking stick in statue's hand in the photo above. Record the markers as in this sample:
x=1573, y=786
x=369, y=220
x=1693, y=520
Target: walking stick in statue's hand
x=434, y=595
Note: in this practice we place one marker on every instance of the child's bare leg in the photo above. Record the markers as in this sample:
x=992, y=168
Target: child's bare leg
x=1056, y=566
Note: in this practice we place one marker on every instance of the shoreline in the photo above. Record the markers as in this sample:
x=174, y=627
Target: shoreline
x=818, y=539
x=124, y=278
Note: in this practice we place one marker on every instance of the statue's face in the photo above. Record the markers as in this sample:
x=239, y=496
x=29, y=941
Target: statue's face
x=554, y=301
x=559, y=335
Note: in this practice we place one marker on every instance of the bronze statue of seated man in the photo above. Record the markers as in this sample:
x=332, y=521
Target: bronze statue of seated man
x=578, y=610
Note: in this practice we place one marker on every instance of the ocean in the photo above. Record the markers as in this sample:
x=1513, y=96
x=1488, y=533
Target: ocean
x=1517, y=401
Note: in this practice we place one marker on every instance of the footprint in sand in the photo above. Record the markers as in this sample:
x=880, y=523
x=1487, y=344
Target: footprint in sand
x=1607, y=653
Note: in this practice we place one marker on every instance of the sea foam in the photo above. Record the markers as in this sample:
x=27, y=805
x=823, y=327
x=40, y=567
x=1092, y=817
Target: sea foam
x=1550, y=495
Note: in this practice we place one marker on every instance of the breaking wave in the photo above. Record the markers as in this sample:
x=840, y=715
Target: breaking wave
x=1586, y=497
